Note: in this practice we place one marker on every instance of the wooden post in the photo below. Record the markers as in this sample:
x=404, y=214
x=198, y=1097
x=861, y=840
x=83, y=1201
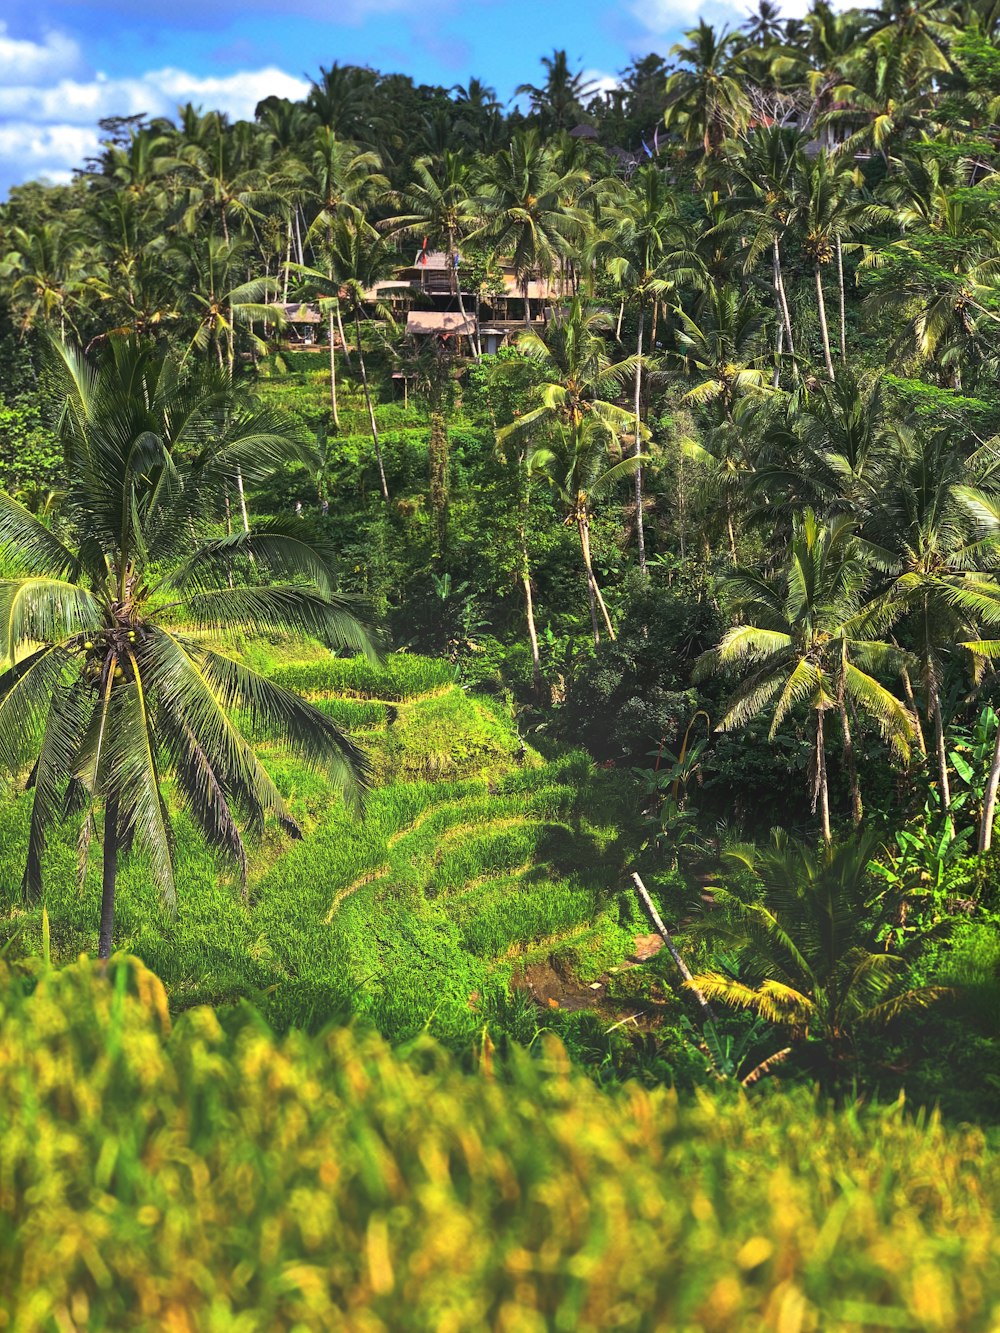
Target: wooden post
x=682, y=967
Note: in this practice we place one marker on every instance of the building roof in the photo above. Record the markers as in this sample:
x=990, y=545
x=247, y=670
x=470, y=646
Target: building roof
x=440, y=321
x=299, y=313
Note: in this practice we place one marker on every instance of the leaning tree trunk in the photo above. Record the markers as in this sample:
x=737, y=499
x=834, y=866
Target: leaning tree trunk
x=241, y=492
x=912, y=705
x=640, y=532
x=371, y=410
x=821, y=790
x=110, y=876
x=824, y=329
x=593, y=591
x=780, y=297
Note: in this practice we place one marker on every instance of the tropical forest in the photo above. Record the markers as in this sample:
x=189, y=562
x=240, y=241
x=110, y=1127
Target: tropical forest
x=500, y=699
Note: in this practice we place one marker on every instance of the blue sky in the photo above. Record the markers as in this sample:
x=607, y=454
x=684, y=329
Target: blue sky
x=65, y=63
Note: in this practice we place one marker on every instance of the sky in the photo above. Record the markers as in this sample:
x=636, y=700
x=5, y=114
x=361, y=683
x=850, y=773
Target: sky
x=64, y=64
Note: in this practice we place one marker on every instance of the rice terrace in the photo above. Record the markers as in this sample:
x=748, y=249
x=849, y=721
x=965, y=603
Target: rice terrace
x=499, y=710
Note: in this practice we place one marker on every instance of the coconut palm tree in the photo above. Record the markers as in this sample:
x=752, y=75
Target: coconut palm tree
x=559, y=103
x=577, y=465
x=44, y=270
x=441, y=207
x=526, y=209
x=707, y=101
x=114, y=671
x=808, y=960
x=647, y=255
x=936, y=533
x=811, y=638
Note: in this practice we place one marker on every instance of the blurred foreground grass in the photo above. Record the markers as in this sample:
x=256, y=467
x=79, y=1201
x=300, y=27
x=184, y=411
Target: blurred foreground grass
x=213, y=1177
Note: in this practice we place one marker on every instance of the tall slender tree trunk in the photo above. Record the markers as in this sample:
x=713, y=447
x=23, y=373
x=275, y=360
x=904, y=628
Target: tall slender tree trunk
x=822, y=786
x=640, y=531
x=529, y=604
x=843, y=301
x=857, y=810
x=990, y=799
x=243, y=499
x=824, y=329
x=912, y=705
x=457, y=288
x=779, y=343
x=371, y=410
x=343, y=335
x=934, y=703
x=593, y=591
x=779, y=284
x=621, y=316
x=106, y=937
x=333, y=372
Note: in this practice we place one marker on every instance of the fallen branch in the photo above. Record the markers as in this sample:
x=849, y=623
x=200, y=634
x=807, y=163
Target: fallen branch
x=685, y=971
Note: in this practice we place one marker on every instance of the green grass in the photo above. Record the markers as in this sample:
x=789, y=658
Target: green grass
x=472, y=855
x=210, y=1176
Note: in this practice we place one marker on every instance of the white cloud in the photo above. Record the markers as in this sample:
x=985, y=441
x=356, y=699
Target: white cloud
x=603, y=83
x=30, y=152
x=48, y=129
x=28, y=63
x=671, y=18
x=158, y=93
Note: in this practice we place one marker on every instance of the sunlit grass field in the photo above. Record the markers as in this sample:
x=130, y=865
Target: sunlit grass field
x=472, y=856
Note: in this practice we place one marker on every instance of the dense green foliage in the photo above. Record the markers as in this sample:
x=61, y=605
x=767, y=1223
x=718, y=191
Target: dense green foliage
x=695, y=578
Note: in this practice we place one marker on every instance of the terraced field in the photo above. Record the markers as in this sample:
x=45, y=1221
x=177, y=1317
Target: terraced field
x=474, y=860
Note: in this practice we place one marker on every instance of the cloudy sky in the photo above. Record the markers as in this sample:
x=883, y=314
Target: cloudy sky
x=66, y=63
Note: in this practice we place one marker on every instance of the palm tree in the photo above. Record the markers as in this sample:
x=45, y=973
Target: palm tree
x=358, y=258
x=339, y=181
x=559, y=103
x=809, y=638
x=442, y=208
x=576, y=464
x=826, y=215
x=115, y=675
x=937, y=536
x=45, y=273
x=648, y=254
x=721, y=348
x=707, y=101
x=524, y=203
x=807, y=960
x=573, y=357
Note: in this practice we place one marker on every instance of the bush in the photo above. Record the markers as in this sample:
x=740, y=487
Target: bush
x=215, y=1177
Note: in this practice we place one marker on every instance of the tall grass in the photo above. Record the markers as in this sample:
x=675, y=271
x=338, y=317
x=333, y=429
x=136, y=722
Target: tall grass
x=215, y=1177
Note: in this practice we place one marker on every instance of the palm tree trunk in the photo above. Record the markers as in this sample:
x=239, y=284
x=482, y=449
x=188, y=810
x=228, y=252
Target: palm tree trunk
x=822, y=786
x=843, y=302
x=371, y=410
x=333, y=373
x=243, y=499
x=639, y=529
x=594, y=592
x=621, y=316
x=857, y=810
x=934, y=703
x=106, y=936
x=821, y=307
x=529, y=608
x=288, y=260
x=591, y=599
x=990, y=799
x=779, y=343
x=912, y=704
x=782, y=298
